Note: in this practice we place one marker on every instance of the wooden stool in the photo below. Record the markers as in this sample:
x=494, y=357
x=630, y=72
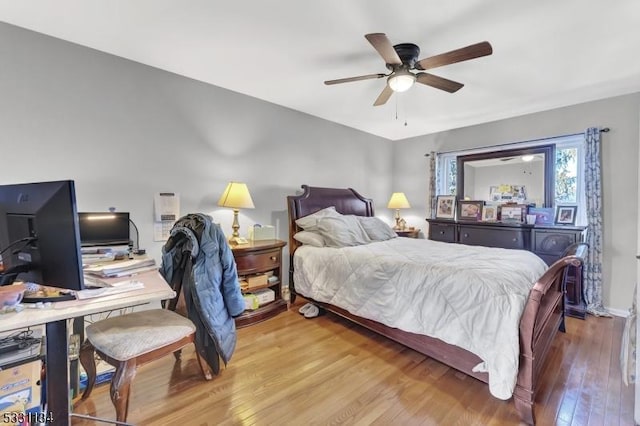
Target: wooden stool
x=130, y=340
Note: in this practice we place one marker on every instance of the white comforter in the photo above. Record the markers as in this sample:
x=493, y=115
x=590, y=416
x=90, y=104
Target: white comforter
x=469, y=296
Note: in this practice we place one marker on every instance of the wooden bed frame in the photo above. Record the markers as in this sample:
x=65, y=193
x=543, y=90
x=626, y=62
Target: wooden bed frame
x=542, y=318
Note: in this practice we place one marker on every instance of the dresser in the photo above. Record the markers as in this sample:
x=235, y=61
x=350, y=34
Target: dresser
x=547, y=241
x=255, y=259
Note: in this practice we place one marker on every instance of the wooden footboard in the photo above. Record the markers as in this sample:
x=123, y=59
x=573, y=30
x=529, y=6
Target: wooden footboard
x=542, y=318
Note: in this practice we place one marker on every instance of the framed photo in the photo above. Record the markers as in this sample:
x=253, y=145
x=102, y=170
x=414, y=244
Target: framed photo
x=489, y=213
x=544, y=215
x=566, y=215
x=446, y=207
x=512, y=213
x=470, y=210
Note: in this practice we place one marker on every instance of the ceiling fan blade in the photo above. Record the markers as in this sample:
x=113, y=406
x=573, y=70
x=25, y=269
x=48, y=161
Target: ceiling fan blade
x=384, y=47
x=463, y=54
x=438, y=82
x=348, y=79
x=384, y=96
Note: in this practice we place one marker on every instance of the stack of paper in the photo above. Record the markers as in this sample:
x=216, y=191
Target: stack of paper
x=92, y=281
x=115, y=288
x=120, y=269
x=88, y=259
x=123, y=248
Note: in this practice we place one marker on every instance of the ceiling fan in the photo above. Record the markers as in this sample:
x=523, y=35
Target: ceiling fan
x=402, y=58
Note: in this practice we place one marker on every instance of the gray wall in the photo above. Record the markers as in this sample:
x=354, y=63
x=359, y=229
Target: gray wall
x=124, y=131
x=619, y=168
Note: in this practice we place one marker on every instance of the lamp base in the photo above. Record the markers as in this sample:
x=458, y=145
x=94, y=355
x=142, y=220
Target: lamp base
x=398, y=226
x=238, y=241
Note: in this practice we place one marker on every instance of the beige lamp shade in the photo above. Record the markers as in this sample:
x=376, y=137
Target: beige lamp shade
x=236, y=195
x=398, y=201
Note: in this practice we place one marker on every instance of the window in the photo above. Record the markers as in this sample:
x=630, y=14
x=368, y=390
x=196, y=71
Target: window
x=451, y=171
x=569, y=176
x=446, y=171
x=566, y=175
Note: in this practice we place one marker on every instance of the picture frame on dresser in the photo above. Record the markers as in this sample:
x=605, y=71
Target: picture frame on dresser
x=489, y=213
x=470, y=210
x=544, y=215
x=446, y=207
x=512, y=213
x=566, y=215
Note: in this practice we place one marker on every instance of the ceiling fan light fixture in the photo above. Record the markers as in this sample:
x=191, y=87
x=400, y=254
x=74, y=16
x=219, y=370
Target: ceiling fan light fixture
x=401, y=81
x=527, y=158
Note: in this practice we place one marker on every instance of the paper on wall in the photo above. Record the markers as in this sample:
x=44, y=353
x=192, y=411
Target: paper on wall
x=166, y=206
x=166, y=213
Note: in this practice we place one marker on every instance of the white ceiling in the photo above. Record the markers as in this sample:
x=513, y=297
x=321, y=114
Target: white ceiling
x=546, y=53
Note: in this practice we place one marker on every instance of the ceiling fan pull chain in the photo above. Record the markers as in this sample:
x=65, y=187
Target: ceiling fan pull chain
x=404, y=112
x=396, y=108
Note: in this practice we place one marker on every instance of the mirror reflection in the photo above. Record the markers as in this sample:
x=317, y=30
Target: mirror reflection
x=522, y=176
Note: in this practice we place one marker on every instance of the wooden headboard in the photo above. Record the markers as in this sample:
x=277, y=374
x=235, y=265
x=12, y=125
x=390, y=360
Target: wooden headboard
x=313, y=198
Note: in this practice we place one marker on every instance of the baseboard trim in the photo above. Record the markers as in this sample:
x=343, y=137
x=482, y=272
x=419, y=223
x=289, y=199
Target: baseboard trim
x=618, y=312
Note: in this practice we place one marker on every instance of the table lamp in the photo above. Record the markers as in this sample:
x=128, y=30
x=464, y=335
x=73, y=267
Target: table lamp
x=398, y=201
x=236, y=196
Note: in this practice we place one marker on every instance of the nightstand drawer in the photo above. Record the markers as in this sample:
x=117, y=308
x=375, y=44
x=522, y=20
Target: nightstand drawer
x=257, y=262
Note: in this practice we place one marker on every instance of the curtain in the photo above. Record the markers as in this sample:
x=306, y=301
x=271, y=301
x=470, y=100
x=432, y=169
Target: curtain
x=593, y=190
x=432, y=184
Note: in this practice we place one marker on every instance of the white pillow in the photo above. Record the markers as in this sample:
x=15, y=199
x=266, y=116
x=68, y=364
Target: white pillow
x=310, y=222
x=376, y=229
x=342, y=231
x=309, y=238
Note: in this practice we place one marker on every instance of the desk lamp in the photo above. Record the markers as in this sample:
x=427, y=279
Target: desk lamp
x=236, y=196
x=398, y=201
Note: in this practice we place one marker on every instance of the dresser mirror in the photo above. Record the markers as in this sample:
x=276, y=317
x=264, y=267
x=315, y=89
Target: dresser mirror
x=522, y=175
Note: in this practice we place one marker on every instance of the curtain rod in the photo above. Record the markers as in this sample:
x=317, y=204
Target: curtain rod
x=603, y=130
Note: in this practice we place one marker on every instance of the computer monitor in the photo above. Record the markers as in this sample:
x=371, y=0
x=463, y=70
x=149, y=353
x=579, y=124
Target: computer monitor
x=104, y=229
x=39, y=234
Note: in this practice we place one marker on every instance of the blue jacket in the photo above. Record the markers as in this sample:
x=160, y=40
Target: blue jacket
x=210, y=281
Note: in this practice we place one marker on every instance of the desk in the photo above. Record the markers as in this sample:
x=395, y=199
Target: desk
x=55, y=321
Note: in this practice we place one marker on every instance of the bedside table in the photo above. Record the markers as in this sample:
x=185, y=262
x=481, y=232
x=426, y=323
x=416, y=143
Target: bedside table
x=261, y=257
x=409, y=233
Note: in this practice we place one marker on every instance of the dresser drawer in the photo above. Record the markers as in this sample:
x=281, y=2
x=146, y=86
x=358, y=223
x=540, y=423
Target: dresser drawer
x=250, y=263
x=553, y=243
x=442, y=232
x=494, y=237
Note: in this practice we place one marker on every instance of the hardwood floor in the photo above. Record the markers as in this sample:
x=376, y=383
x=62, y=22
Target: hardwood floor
x=291, y=370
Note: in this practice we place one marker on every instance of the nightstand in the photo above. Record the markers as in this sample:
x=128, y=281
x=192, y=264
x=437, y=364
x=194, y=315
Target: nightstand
x=410, y=233
x=253, y=260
